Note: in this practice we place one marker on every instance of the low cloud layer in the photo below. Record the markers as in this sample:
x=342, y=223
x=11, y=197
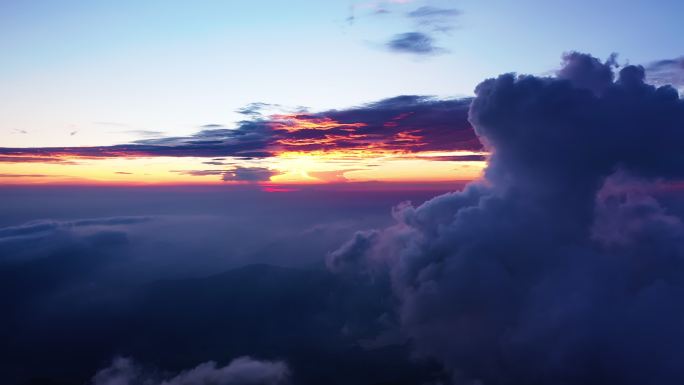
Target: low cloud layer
x=43, y=228
x=179, y=276
x=241, y=371
x=559, y=267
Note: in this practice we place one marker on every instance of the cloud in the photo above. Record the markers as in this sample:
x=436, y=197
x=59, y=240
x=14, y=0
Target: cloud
x=587, y=72
x=428, y=20
x=170, y=290
x=403, y=124
x=417, y=43
x=427, y=12
x=42, y=228
x=668, y=71
x=248, y=174
x=33, y=159
x=144, y=133
x=246, y=140
x=334, y=176
x=374, y=7
x=241, y=371
x=217, y=163
x=27, y=176
x=558, y=267
x=458, y=158
x=399, y=125
x=235, y=174
x=434, y=18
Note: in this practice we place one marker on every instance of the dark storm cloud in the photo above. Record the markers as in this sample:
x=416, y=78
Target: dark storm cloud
x=241, y=371
x=669, y=71
x=559, y=268
x=417, y=43
x=404, y=124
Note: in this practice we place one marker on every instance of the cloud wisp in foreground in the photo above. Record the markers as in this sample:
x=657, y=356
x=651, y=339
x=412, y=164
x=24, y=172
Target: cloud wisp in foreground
x=240, y=371
x=558, y=267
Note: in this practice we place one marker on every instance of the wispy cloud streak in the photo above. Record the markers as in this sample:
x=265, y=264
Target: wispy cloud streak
x=404, y=124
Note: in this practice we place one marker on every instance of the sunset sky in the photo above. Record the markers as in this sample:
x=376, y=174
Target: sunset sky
x=280, y=92
x=341, y=192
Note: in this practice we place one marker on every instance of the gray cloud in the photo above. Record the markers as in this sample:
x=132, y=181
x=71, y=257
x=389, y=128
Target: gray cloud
x=249, y=174
x=145, y=133
x=417, y=43
x=42, y=228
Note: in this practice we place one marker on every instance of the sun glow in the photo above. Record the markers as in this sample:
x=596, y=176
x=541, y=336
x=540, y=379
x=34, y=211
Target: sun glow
x=292, y=167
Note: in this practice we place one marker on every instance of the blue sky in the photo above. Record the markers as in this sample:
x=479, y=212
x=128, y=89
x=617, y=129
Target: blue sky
x=104, y=70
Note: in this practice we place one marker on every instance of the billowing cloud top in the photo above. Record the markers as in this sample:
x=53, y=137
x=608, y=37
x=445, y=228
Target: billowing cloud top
x=560, y=267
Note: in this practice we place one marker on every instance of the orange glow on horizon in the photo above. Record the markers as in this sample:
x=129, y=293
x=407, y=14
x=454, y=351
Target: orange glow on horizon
x=294, y=123
x=374, y=163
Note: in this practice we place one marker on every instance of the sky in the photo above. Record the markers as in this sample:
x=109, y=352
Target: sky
x=79, y=74
x=364, y=192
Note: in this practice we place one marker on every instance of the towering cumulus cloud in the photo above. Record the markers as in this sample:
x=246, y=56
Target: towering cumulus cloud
x=558, y=267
